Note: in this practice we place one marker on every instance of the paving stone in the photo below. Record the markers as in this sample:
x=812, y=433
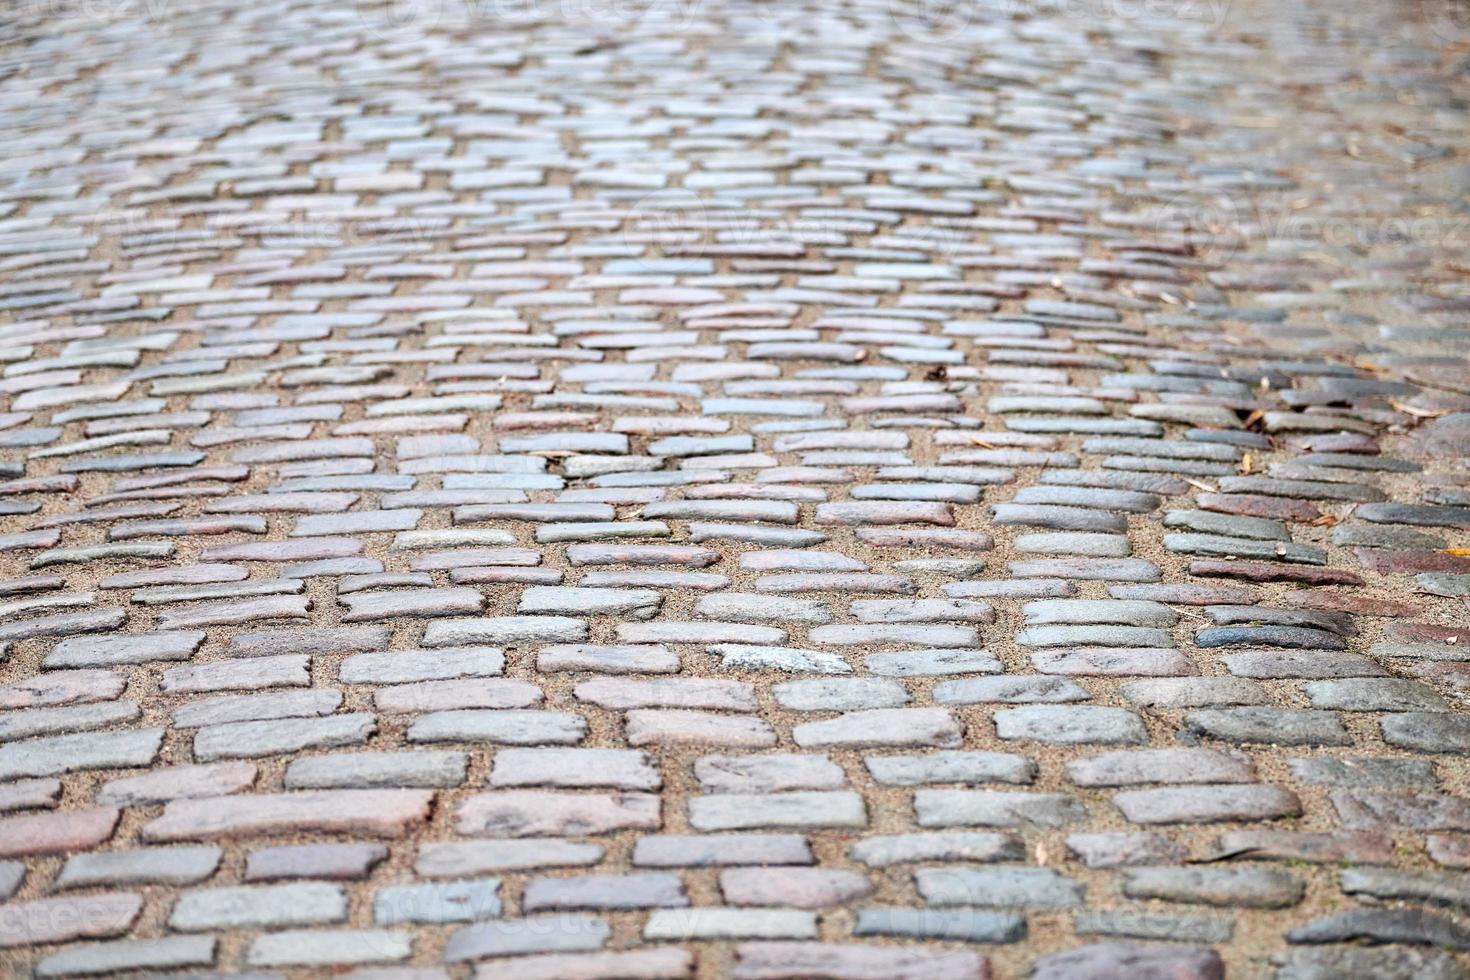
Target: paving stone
x=148, y=865
x=1445, y=888
x=313, y=948
x=1119, y=849
x=1279, y=726
x=740, y=811
x=968, y=925
x=1427, y=731
x=1069, y=724
x=56, y=833
x=1287, y=845
x=807, y=888
x=1144, y=925
x=384, y=813
x=179, y=782
x=59, y=920
x=1374, y=694
x=1008, y=690
x=170, y=952
x=950, y=767
x=1414, y=927
x=1000, y=886
x=723, y=923
x=1130, y=959
x=460, y=901
x=970, y=808
x=882, y=727
x=530, y=813
x=760, y=961
x=646, y=964
x=456, y=858
x=1230, y=887
x=530, y=934
x=341, y=862
x=1391, y=963
x=715, y=850
x=1208, y=804
x=1128, y=768
x=255, y=739
x=262, y=905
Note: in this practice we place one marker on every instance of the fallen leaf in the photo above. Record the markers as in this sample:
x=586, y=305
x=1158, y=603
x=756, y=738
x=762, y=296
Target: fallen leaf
x=1200, y=485
x=1246, y=462
x=1418, y=413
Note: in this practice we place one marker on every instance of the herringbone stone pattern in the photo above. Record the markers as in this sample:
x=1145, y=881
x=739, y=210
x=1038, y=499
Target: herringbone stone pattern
x=861, y=489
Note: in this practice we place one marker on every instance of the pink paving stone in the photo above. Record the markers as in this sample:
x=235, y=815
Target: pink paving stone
x=1455, y=676
x=855, y=961
x=861, y=513
x=59, y=920
x=1358, y=605
x=376, y=813
x=926, y=538
x=639, y=964
x=1385, y=561
x=1426, y=633
x=1271, y=571
x=1342, y=847
x=1450, y=850
x=179, y=782
x=805, y=888
x=56, y=833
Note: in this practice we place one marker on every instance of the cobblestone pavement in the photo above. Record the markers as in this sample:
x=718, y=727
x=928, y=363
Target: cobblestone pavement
x=566, y=489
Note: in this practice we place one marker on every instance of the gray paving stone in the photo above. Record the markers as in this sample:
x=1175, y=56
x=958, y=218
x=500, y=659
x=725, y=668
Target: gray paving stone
x=1070, y=724
x=1100, y=960
x=459, y=901
x=147, y=865
x=169, y=952
x=950, y=767
x=999, y=886
x=339, y=862
x=1229, y=887
x=1280, y=726
x=258, y=906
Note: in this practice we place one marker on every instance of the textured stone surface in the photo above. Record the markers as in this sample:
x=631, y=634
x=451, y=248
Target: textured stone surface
x=673, y=490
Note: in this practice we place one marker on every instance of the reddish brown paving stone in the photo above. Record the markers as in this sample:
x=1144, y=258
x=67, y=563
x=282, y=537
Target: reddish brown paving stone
x=1271, y=571
x=57, y=832
x=1349, y=603
x=1254, y=505
x=1384, y=561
